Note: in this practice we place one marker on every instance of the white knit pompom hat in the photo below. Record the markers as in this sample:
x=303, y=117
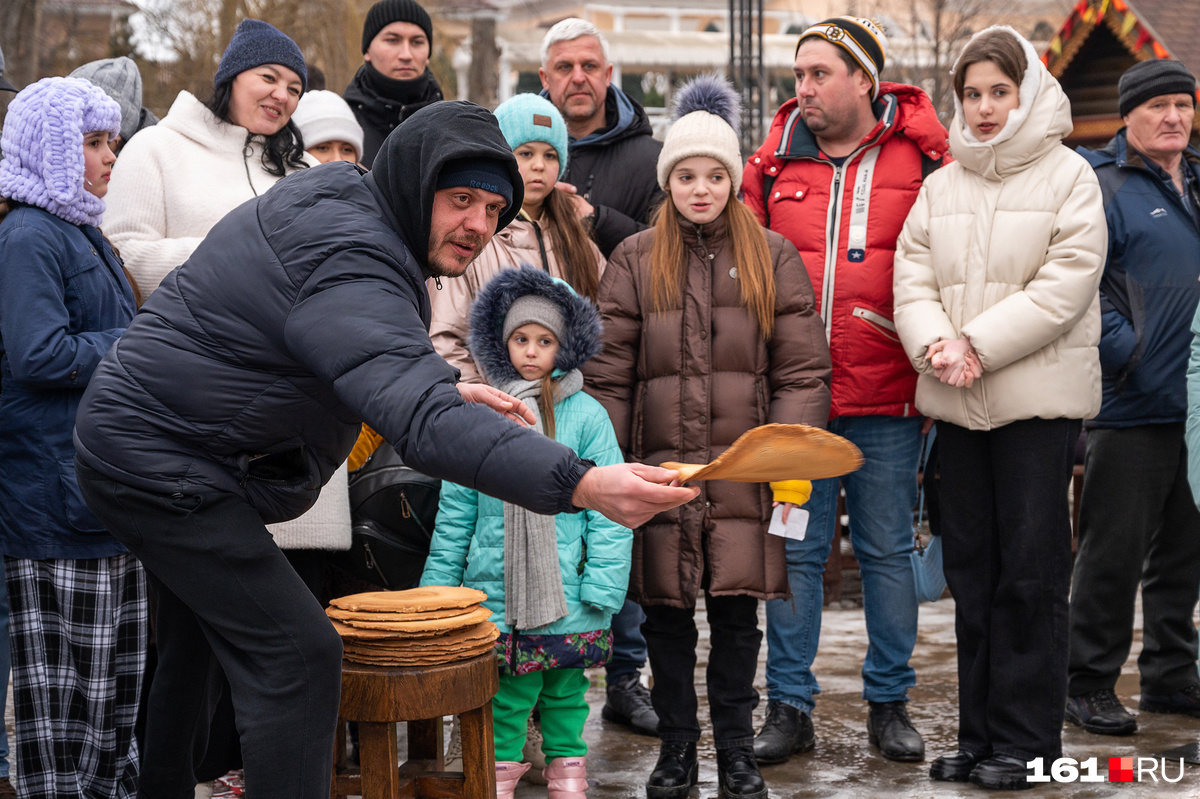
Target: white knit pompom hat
x=323, y=116
x=707, y=111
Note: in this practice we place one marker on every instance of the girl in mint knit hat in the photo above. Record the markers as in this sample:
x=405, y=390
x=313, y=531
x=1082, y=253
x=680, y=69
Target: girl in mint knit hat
x=77, y=598
x=547, y=234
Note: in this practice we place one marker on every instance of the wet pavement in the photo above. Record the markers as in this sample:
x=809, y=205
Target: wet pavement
x=844, y=765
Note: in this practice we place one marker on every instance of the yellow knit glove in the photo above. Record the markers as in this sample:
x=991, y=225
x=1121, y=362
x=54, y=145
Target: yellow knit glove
x=796, y=492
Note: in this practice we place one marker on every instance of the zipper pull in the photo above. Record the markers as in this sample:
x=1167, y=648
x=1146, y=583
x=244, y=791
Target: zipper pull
x=437, y=281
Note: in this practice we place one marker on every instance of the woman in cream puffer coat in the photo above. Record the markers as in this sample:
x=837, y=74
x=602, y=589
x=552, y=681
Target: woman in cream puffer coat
x=996, y=279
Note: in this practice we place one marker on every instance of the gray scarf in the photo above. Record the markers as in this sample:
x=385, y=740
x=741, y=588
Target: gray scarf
x=533, y=588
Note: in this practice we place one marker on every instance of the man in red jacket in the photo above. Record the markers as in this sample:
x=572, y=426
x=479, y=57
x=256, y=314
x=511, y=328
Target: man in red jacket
x=837, y=175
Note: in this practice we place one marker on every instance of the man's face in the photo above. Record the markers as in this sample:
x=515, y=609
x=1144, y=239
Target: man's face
x=830, y=97
x=577, y=76
x=464, y=221
x=400, y=51
x=1160, y=126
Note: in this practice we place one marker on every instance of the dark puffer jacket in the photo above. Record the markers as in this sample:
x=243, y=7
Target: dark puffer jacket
x=1149, y=290
x=616, y=169
x=684, y=384
x=301, y=314
x=380, y=104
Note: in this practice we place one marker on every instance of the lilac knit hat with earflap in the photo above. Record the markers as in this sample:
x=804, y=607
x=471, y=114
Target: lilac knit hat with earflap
x=43, y=146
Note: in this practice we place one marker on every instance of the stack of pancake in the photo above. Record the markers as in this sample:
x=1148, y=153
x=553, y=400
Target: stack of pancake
x=418, y=627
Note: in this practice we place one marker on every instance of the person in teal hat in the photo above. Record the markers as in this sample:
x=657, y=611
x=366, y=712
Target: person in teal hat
x=547, y=234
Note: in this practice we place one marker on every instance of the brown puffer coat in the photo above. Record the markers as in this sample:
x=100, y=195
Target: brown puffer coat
x=684, y=384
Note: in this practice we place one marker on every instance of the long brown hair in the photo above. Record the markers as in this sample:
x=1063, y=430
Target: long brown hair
x=546, y=402
x=572, y=249
x=1001, y=48
x=751, y=256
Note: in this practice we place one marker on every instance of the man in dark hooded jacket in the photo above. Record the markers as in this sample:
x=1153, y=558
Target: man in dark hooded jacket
x=239, y=389
x=614, y=156
x=394, y=81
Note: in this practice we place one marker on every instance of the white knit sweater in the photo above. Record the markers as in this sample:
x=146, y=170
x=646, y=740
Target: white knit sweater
x=172, y=183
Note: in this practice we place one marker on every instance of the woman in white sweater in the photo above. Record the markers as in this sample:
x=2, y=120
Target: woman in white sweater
x=171, y=185
x=996, y=303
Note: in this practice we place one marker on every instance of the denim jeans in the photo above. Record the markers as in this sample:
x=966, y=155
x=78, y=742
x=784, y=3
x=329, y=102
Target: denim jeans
x=629, y=645
x=879, y=499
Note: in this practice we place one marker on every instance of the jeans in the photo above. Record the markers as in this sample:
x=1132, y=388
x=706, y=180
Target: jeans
x=732, y=659
x=880, y=498
x=1006, y=545
x=1138, y=525
x=629, y=645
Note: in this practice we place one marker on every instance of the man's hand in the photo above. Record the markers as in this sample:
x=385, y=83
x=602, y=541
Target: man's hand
x=583, y=208
x=631, y=493
x=498, y=401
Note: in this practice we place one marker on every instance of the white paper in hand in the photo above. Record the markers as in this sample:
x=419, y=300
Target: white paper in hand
x=796, y=527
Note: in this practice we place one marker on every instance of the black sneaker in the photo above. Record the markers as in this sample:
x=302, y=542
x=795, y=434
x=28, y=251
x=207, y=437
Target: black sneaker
x=1101, y=713
x=889, y=729
x=628, y=703
x=786, y=731
x=1185, y=702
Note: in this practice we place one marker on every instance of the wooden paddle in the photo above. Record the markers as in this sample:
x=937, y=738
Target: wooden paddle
x=775, y=452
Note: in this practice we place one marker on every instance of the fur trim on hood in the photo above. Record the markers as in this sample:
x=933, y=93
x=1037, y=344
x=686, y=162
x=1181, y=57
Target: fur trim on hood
x=580, y=342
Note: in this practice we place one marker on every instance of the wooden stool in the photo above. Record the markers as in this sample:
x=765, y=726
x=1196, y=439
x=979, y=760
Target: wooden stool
x=378, y=697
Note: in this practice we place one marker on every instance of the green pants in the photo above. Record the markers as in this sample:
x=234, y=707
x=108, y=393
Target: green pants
x=559, y=694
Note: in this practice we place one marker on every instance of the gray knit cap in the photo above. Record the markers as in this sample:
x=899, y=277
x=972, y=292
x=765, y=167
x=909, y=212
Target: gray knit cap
x=534, y=308
x=1147, y=79
x=120, y=79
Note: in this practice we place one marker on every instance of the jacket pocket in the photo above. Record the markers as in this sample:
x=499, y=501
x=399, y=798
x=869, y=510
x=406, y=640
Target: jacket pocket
x=878, y=321
x=78, y=514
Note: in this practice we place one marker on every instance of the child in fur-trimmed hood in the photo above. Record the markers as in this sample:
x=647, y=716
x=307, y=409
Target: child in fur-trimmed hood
x=553, y=582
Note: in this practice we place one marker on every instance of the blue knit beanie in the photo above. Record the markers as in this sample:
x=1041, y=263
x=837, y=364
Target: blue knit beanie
x=255, y=43
x=43, y=146
x=530, y=117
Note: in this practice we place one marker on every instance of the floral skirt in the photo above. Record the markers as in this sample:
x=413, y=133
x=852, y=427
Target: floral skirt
x=522, y=654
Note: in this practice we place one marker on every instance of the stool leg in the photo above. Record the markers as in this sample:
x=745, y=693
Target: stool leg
x=426, y=742
x=379, y=759
x=479, y=752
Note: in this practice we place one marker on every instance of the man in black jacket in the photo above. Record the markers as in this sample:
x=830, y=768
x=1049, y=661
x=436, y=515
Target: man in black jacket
x=394, y=81
x=612, y=173
x=613, y=152
x=239, y=389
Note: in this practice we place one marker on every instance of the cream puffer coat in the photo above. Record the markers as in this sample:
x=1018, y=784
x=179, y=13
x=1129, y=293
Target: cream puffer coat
x=1006, y=247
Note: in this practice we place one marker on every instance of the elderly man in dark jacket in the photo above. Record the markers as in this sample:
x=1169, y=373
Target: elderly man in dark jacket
x=1138, y=523
x=239, y=389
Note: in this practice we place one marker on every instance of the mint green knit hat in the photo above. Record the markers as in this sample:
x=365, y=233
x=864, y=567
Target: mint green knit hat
x=530, y=117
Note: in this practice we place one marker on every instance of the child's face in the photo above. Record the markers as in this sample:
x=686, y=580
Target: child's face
x=98, y=159
x=538, y=162
x=699, y=188
x=334, y=150
x=532, y=348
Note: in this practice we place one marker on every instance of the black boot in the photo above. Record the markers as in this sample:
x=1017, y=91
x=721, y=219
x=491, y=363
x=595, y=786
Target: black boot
x=738, y=776
x=889, y=729
x=675, y=772
x=786, y=732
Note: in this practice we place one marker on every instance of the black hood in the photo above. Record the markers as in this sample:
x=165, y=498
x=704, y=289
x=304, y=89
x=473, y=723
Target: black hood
x=406, y=169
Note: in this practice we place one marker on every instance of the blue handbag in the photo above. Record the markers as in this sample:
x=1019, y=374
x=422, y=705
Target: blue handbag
x=928, y=577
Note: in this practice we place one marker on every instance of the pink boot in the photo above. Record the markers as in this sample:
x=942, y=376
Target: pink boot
x=567, y=778
x=508, y=774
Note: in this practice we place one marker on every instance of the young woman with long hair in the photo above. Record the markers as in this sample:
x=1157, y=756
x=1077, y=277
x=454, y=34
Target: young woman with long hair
x=710, y=329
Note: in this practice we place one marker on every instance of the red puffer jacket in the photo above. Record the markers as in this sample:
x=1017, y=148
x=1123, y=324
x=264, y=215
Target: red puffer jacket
x=845, y=221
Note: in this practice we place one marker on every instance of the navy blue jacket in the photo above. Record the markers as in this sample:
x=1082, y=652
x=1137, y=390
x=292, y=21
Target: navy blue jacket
x=302, y=313
x=64, y=300
x=1150, y=288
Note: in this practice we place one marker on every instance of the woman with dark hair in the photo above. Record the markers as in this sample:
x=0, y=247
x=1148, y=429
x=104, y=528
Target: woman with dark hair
x=996, y=279
x=77, y=624
x=206, y=158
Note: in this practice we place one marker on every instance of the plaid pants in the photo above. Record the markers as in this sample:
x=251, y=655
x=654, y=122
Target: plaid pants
x=78, y=633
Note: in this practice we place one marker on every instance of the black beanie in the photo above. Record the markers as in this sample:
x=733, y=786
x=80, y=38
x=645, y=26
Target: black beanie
x=1147, y=79
x=385, y=12
x=488, y=174
x=255, y=43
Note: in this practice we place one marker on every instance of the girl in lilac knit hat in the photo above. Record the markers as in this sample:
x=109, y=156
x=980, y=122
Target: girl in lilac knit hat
x=78, y=623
